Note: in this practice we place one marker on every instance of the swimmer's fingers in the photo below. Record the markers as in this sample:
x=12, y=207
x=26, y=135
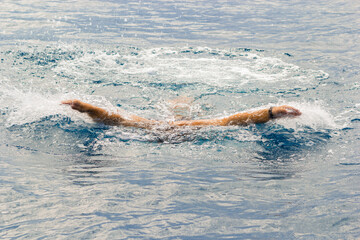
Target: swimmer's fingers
x=68, y=102
x=285, y=111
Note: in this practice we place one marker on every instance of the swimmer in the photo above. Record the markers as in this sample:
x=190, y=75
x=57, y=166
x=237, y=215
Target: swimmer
x=101, y=115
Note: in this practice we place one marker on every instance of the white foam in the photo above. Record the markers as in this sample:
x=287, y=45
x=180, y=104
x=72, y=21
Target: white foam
x=26, y=105
x=314, y=115
x=181, y=65
x=29, y=107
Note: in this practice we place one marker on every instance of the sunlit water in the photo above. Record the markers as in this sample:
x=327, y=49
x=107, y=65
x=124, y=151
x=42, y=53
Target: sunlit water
x=64, y=177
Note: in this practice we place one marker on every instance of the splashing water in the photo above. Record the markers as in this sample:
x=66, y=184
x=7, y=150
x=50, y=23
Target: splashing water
x=142, y=81
x=64, y=177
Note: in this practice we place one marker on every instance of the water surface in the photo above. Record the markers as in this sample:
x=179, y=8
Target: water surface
x=64, y=177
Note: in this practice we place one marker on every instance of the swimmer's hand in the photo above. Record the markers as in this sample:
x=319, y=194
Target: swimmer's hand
x=77, y=105
x=285, y=111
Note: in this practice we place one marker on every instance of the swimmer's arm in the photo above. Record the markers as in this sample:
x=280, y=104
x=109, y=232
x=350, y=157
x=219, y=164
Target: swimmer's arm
x=101, y=115
x=244, y=118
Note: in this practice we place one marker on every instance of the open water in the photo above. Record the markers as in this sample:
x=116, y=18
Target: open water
x=64, y=177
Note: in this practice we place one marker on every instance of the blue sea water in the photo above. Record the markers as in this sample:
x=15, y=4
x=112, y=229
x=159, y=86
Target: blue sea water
x=64, y=177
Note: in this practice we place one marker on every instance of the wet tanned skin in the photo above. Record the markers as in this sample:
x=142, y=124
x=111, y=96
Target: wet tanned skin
x=101, y=115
